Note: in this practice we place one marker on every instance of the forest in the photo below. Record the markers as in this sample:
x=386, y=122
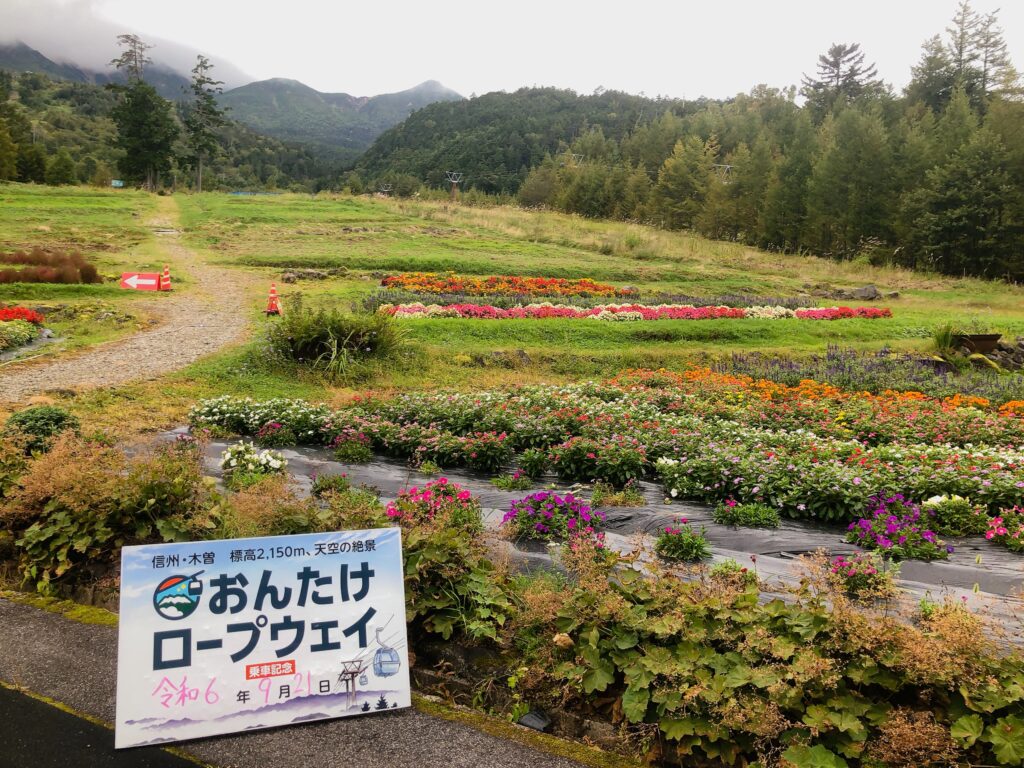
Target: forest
x=58, y=132
x=842, y=167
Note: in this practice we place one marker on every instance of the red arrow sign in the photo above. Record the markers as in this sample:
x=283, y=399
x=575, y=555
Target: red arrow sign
x=141, y=281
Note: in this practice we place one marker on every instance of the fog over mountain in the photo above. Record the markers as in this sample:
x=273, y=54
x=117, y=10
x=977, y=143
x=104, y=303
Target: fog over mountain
x=73, y=32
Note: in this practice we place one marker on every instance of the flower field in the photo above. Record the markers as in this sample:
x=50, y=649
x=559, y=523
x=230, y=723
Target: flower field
x=502, y=285
x=811, y=451
x=627, y=312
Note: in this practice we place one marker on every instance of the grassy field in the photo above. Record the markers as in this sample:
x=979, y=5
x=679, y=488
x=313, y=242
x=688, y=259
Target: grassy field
x=109, y=227
x=366, y=238
x=370, y=237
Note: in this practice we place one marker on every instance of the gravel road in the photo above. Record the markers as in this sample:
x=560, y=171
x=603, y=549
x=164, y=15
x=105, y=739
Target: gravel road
x=193, y=322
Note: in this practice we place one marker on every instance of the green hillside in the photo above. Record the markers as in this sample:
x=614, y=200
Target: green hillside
x=52, y=116
x=496, y=138
x=338, y=125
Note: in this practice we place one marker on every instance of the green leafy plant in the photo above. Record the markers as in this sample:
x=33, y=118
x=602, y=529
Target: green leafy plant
x=517, y=481
x=954, y=515
x=605, y=495
x=731, y=571
x=274, y=434
x=865, y=575
x=487, y=451
x=681, y=542
x=325, y=484
x=41, y=423
x=332, y=342
x=533, y=462
x=749, y=515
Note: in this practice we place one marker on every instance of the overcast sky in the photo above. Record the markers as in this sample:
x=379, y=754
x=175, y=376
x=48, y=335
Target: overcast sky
x=676, y=48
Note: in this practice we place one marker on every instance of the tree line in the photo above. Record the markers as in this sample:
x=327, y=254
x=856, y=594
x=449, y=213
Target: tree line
x=56, y=132
x=929, y=178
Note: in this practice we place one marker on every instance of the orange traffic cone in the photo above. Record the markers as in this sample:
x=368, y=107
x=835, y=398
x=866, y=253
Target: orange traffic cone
x=274, y=302
x=165, y=279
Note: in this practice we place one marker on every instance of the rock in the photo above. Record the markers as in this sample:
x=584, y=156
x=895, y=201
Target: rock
x=289, y=277
x=867, y=293
x=892, y=295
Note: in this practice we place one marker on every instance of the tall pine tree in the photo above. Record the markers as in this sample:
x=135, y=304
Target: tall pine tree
x=202, y=117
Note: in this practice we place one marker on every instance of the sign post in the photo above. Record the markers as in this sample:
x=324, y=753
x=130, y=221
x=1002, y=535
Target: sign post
x=223, y=636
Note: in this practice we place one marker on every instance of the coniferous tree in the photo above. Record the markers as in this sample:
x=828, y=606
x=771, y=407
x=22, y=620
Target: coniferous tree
x=784, y=215
x=683, y=182
x=961, y=37
x=202, y=117
x=933, y=77
x=850, y=187
x=146, y=131
x=842, y=77
x=8, y=154
x=993, y=57
x=31, y=163
x=133, y=59
x=965, y=213
x=61, y=170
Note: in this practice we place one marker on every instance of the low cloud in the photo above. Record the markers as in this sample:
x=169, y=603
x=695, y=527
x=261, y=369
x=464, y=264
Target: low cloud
x=75, y=32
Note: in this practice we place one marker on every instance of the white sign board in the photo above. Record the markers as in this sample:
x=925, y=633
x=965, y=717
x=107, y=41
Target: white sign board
x=224, y=636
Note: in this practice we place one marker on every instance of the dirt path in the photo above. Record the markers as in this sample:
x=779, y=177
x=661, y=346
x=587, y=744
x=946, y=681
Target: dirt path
x=209, y=314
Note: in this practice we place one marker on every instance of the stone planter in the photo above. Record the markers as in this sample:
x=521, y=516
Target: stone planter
x=981, y=343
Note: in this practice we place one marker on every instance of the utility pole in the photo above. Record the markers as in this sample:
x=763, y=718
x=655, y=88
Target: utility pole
x=454, y=178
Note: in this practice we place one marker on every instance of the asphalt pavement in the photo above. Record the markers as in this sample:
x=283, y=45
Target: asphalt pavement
x=75, y=664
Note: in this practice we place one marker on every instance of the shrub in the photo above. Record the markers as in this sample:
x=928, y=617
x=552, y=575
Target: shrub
x=79, y=503
x=1008, y=529
x=41, y=423
x=13, y=460
x=332, y=342
x=487, y=451
x=865, y=575
x=681, y=542
x=899, y=529
x=446, y=503
x=751, y=515
x=533, y=462
x=16, y=333
x=266, y=507
x=325, y=484
x=552, y=517
x=244, y=464
x=956, y=516
x=274, y=434
x=351, y=446
x=48, y=266
x=616, y=460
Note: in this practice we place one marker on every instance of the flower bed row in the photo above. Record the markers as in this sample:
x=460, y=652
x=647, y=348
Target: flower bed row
x=450, y=282
x=626, y=312
x=706, y=437
x=877, y=372
x=376, y=298
x=20, y=313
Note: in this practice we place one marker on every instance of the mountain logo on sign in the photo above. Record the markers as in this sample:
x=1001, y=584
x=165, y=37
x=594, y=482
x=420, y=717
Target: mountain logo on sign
x=178, y=596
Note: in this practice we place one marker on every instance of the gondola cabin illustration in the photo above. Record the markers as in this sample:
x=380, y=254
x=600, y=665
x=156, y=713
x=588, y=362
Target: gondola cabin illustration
x=386, y=661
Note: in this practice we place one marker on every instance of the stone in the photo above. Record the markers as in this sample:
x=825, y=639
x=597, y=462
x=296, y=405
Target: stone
x=866, y=293
x=892, y=295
